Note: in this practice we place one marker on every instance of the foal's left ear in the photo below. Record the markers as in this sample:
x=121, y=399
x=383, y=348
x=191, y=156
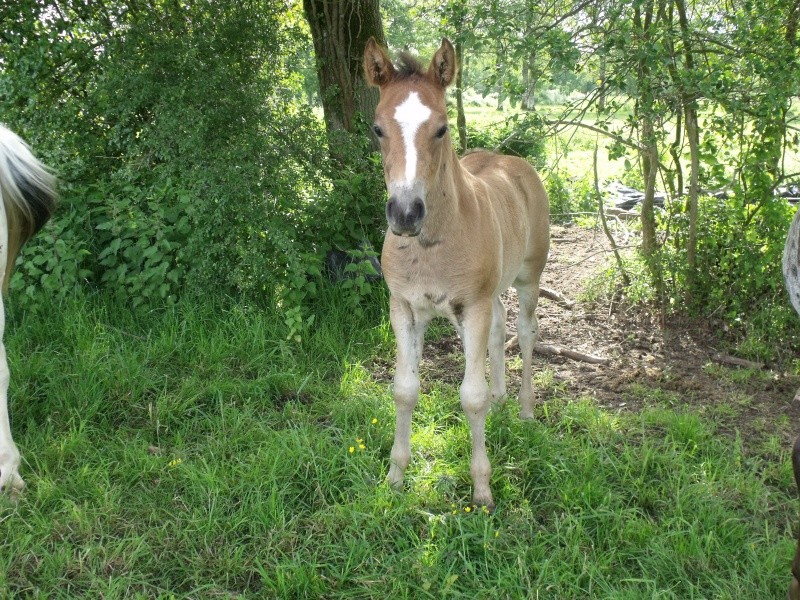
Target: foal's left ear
x=443, y=66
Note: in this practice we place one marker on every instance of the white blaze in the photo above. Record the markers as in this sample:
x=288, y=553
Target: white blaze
x=410, y=115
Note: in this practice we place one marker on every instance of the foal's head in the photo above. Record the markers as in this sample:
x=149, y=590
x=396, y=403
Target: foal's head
x=411, y=124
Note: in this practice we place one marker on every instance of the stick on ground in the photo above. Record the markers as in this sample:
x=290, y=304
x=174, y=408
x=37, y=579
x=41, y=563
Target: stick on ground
x=556, y=350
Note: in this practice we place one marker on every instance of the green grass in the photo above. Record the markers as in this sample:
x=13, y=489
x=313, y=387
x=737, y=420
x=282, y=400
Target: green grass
x=194, y=452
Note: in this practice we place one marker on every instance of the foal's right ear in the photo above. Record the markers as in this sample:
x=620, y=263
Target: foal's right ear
x=443, y=66
x=378, y=67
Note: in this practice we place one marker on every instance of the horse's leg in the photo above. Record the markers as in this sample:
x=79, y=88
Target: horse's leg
x=475, y=396
x=9, y=455
x=409, y=330
x=527, y=332
x=497, y=352
x=794, y=586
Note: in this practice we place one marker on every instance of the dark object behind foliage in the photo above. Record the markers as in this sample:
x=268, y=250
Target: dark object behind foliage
x=337, y=261
x=625, y=198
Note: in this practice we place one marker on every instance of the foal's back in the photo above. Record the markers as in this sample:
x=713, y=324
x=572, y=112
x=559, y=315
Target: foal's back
x=519, y=201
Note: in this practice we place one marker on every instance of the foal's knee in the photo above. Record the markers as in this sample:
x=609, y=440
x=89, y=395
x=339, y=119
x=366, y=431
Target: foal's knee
x=474, y=397
x=405, y=394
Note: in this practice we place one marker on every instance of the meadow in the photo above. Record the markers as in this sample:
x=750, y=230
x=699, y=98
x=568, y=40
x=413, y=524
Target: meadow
x=193, y=452
x=181, y=441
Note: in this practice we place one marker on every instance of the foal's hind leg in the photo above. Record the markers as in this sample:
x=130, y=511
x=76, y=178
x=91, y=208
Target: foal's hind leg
x=497, y=352
x=527, y=332
x=9, y=455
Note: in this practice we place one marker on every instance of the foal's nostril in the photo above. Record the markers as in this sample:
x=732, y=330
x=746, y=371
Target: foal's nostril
x=391, y=205
x=417, y=210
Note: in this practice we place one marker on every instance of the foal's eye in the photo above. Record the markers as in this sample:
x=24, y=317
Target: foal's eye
x=441, y=132
x=378, y=131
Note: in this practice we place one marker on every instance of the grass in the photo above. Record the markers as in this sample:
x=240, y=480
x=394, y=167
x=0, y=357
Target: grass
x=193, y=452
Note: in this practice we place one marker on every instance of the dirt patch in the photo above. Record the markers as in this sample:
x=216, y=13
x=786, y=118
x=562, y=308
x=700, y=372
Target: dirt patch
x=650, y=362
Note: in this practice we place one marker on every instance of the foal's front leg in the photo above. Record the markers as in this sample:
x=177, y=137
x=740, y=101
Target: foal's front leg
x=409, y=330
x=475, y=396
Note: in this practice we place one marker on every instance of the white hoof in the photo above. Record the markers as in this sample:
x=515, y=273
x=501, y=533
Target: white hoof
x=9, y=470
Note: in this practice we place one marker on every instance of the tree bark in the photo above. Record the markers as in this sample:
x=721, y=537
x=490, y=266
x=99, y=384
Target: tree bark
x=645, y=108
x=689, y=100
x=340, y=30
x=529, y=82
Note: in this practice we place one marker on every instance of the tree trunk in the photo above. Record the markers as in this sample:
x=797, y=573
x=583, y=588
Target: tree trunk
x=650, y=170
x=529, y=83
x=693, y=134
x=601, y=100
x=645, y=109
x=676, y=183
x=688, y=99
x=340, y=30
x=499, y=66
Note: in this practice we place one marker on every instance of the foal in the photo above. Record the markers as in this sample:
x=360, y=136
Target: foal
x=28, y=198
x=460, y=233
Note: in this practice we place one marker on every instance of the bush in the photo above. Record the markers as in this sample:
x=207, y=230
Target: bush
x=520, y=135
x=738, y=278
x=188, y=163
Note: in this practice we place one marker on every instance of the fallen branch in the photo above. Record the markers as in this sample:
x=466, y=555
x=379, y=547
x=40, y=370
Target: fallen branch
x=739, y=362
x=557, y=297
x=555, y=350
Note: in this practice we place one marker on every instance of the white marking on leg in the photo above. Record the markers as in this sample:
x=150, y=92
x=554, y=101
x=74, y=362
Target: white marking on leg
x=475, y=399
x=410, y=115
x=9, y=454
x=409, y=332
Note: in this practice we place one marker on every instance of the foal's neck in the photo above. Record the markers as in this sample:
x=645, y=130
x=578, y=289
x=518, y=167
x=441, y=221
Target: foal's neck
x=446, y=196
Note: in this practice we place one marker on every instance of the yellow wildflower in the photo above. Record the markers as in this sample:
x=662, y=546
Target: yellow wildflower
x=351, y=449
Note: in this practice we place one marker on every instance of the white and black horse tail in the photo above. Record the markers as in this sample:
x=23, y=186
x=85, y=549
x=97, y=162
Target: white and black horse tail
x=791, y=262
x=28, y=192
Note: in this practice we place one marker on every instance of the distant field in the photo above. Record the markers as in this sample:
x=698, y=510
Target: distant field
x=571, y=150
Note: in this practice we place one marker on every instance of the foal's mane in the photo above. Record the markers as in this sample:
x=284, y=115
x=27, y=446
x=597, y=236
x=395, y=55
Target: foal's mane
x=409, y=66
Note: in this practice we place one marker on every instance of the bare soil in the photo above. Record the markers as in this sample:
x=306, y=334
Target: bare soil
x=652, y=361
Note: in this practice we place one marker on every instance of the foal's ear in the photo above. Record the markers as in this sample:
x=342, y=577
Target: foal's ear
x=378, y=67
x=443, y=66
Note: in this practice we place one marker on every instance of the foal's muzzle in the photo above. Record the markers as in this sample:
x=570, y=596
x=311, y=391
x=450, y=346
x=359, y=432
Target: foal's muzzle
x=405, y=215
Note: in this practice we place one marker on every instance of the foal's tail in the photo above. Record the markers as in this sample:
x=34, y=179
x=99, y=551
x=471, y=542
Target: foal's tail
x=28, y=192
x=791, y=262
